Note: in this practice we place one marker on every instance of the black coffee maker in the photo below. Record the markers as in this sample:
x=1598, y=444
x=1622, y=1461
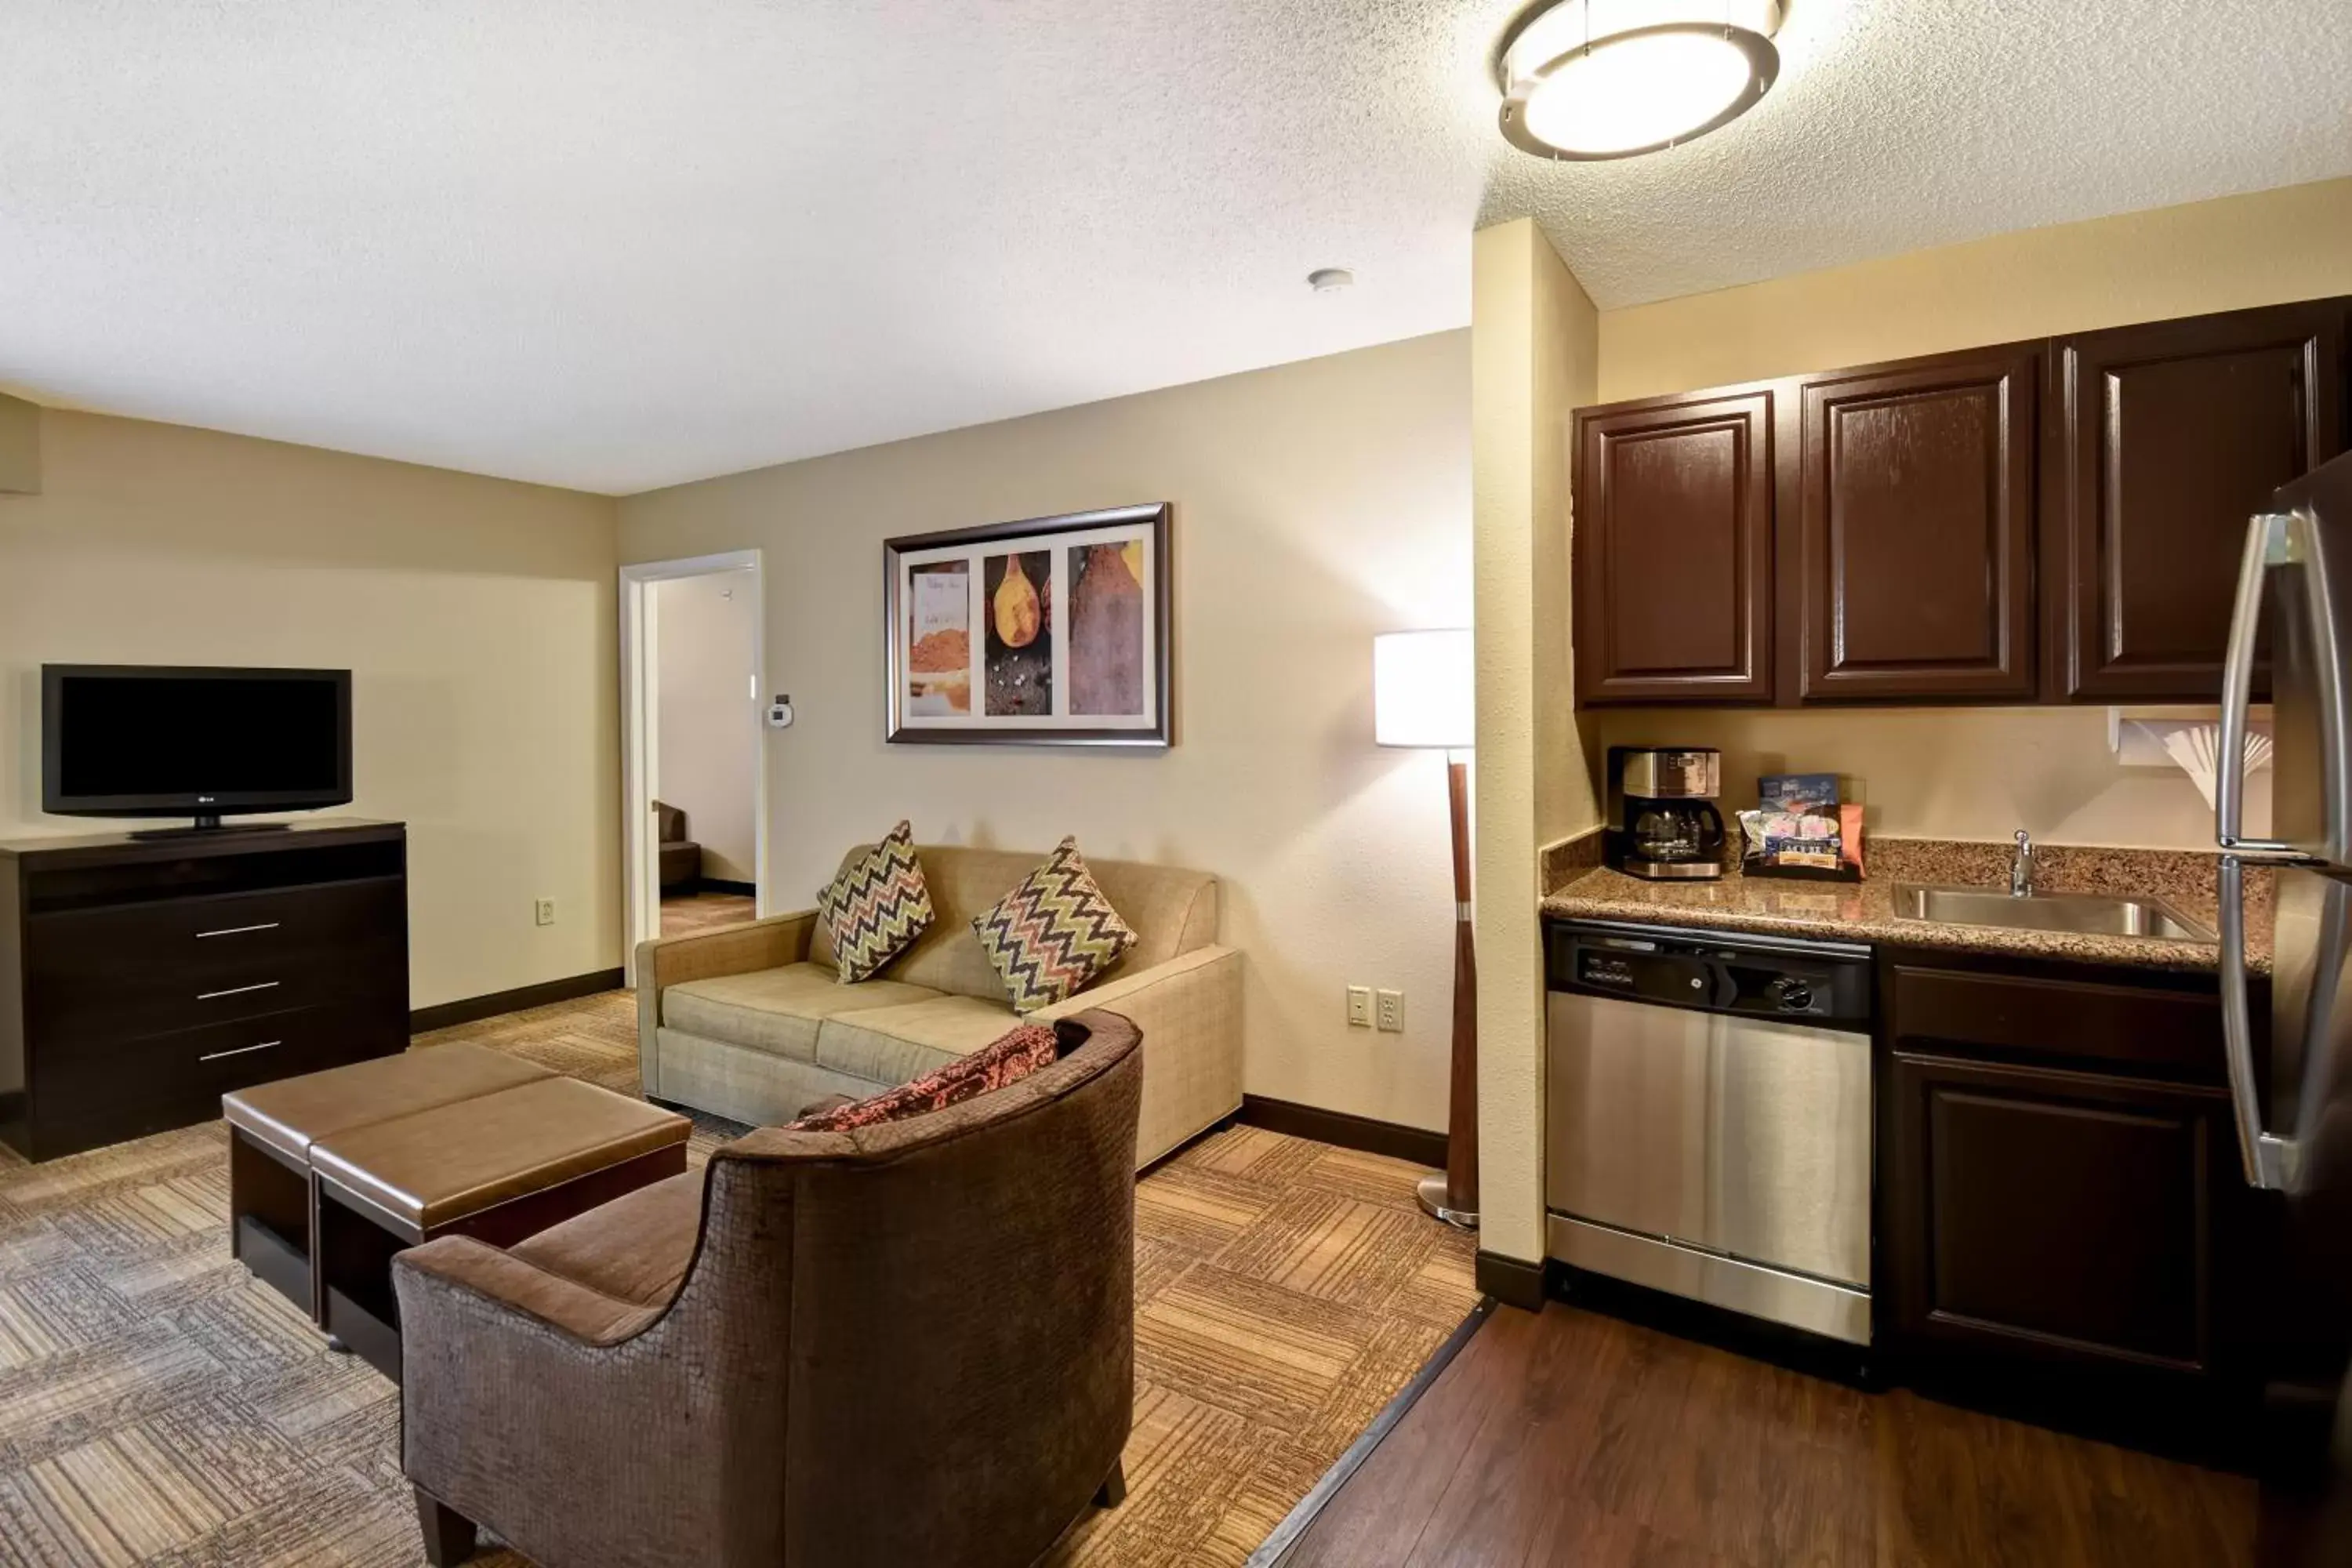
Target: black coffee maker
x=1663, y=823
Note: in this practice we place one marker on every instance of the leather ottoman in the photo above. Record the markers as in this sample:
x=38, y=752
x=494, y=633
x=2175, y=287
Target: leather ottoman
x=272, y=1205
x=498, y=1167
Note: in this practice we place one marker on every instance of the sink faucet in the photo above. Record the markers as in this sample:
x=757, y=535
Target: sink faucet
x=2021, y=867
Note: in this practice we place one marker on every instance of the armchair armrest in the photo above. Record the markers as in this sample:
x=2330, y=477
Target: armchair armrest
x=1189, y=1011
x=565, y=1417
x=744, y=948
x=502, y=1281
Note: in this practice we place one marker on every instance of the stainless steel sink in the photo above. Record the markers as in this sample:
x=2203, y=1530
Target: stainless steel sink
x=2088, y=914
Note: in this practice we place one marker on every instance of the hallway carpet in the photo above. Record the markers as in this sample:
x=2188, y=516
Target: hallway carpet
x=157, y=1405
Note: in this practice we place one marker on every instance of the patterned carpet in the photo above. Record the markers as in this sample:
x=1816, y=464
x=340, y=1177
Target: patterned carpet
x=158, y=1405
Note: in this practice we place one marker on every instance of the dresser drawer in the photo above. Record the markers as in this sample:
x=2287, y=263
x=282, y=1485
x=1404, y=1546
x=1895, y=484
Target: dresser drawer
x=134, y=969
x=127, y=1089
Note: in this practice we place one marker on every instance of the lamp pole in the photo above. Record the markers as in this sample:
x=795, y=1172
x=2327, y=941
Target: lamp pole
x=1454, y=1196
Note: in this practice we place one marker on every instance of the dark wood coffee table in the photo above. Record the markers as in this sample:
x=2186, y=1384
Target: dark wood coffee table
x=498, y=1168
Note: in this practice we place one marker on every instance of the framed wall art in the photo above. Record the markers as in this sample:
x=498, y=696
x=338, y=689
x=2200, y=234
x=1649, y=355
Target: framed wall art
x=1050, y=632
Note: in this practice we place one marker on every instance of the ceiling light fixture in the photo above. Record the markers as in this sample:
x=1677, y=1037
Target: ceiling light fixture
x=1589, y=80
x=1330, y=280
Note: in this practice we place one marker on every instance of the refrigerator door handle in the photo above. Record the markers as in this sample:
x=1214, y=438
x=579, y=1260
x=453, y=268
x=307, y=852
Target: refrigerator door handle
x=2268, y=543
x=2269, y=1160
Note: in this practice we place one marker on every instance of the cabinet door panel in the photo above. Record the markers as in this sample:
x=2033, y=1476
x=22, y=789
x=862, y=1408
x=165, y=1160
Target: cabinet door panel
x=2165, y=439
x=1672, y=547
x=2065, y=1215
x=1917, y=512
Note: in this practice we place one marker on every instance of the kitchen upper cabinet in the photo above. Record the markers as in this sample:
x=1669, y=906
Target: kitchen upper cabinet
x=1915, y=530
x=2058, y=521
x=2162, y=440
x=1673, y=550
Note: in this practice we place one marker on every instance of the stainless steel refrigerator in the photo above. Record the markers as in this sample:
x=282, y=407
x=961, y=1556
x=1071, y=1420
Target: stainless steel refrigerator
x=2294, y=1089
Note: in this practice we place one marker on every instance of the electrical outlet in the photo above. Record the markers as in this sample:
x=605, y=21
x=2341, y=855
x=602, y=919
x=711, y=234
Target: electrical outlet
x=542, y=911
x=1391, y=1012
x=1359, y=1006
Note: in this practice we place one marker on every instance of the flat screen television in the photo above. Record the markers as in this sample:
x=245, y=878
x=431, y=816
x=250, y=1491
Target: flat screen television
x=169, y=740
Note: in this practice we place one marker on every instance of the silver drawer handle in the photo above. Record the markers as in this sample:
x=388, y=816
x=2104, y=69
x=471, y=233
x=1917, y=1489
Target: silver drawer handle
x=236, y=991
x=241, y=1050
x=239, y=931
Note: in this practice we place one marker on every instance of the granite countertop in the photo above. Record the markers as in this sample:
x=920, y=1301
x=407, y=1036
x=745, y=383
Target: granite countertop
x=1864, y=912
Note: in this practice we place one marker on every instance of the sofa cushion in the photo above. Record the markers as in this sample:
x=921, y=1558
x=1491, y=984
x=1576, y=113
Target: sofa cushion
x=636, y=1247
x=876, y=907
x=1170, y=911
x=1012, y=1057
x=891, y=1045
x=1054, y=933
x=776, y=1010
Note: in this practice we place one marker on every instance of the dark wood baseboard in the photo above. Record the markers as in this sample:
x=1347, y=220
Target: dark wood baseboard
x=714, y=885
x=474, y=1009
x=1513, y=1281
x=1398, y=1141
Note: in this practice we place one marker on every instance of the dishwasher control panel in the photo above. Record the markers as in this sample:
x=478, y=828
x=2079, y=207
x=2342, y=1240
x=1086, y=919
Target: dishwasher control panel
x=1814, y=982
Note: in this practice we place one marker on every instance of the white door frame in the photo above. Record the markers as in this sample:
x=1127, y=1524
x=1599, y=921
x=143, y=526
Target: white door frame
x=641, y=904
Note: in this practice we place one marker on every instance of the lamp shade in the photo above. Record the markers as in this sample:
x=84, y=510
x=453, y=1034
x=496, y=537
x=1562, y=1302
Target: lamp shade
x=1425, y=689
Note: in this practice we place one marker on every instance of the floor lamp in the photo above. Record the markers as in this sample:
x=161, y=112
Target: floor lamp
x=1424, y=697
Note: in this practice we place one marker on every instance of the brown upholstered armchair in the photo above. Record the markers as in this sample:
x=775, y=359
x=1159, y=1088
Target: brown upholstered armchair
x=910, y=1344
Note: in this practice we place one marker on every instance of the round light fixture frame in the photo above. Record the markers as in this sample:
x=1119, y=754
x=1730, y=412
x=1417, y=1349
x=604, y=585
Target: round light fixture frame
x=1763, y=70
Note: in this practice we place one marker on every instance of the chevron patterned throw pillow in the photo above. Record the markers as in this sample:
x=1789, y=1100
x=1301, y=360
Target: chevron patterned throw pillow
x=1052, y=934
x=877, y=906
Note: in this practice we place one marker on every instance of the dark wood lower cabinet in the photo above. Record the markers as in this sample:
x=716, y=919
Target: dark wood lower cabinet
x=2060, y=1209
x=2056, y=1214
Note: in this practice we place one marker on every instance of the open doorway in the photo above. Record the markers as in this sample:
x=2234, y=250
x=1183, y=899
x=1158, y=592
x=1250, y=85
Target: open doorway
x=694, y=764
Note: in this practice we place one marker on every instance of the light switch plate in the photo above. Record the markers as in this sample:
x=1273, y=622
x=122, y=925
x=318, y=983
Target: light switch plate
x=1359, y=1006
x=1391, y=1012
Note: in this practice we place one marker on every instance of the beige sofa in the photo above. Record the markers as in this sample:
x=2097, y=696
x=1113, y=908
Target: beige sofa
x=752, y=1022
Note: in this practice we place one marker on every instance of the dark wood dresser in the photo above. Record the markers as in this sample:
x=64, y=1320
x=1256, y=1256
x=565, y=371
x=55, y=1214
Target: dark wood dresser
x=140, y=979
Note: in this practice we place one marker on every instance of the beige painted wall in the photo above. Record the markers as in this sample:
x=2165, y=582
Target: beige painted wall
x=1533, y=338
x=1317, y=504
x=476, y=616
x=1977, y=772
x=707, y=720
x=1925, y=772
x=2260, y=249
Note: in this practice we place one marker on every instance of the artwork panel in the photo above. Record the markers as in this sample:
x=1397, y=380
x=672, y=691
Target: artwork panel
x=1018, y=671
x=1108, y=612
x=939, y=640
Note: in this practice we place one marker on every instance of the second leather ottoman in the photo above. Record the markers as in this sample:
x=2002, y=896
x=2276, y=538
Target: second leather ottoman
x=273, y=1212
x=500, y=1167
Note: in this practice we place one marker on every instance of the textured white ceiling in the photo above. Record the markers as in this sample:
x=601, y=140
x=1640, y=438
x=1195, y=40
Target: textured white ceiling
x=616, y=243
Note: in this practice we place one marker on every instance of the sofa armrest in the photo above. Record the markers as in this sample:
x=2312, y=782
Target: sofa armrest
x=745, y=949
x=1189, y=1011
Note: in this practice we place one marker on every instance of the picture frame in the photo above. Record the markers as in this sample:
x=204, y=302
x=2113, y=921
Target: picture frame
x=1051, y=631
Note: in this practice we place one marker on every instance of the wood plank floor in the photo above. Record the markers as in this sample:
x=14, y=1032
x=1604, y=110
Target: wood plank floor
x=1570, y=1437
x=683, y=914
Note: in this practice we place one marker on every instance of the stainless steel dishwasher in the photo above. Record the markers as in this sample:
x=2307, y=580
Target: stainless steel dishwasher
x=1708, y=1129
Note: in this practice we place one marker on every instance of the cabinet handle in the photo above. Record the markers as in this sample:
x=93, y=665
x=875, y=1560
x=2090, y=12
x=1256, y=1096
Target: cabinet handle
x=236, y=990
x=241, y=1050
x=239, y=931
